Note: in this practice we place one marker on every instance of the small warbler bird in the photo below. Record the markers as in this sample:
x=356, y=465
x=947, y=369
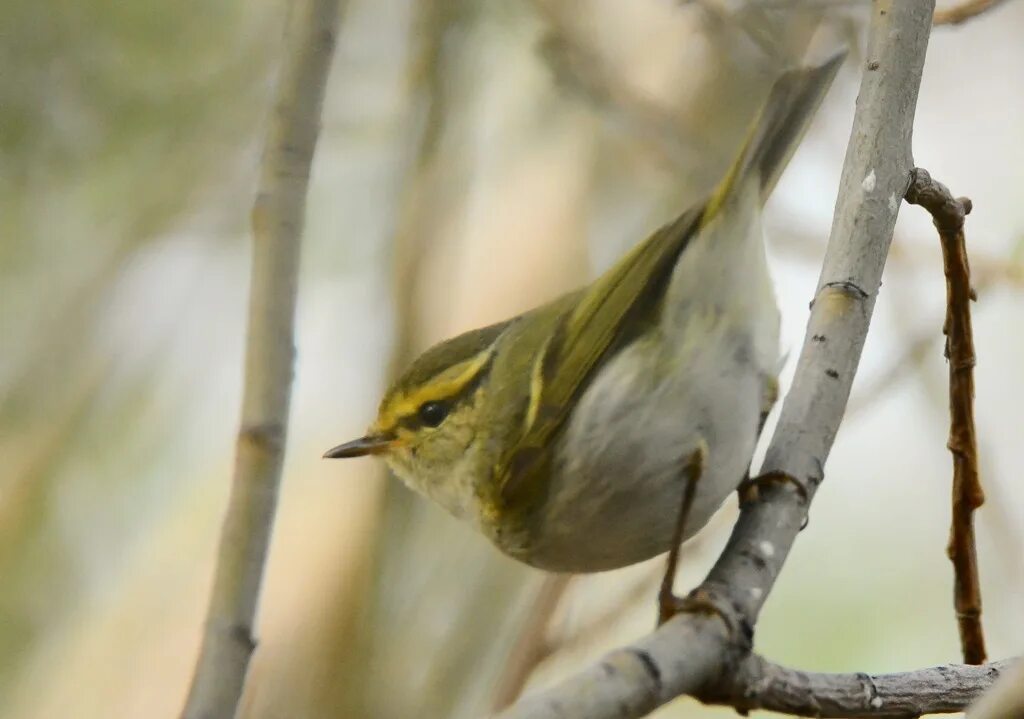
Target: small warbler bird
x=584, y=434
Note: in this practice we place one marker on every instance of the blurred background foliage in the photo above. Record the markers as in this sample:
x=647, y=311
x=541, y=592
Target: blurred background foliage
x=476, y=158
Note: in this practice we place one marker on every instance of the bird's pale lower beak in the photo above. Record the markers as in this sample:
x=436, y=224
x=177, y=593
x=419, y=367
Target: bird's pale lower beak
x=370, y=444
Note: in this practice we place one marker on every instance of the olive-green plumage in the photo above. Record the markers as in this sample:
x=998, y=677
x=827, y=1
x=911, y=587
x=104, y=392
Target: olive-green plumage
x=562, y=433
x=574, y=338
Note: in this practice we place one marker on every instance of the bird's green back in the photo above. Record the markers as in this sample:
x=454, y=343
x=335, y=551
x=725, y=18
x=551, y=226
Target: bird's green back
x=575, y=341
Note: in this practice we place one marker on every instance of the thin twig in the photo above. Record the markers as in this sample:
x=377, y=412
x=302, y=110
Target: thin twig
x=948, y=214
x=691, y=653
x=277, y=221
x=963, y=12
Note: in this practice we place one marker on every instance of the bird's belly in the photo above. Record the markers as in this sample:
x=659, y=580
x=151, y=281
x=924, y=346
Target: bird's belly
x=618, y=483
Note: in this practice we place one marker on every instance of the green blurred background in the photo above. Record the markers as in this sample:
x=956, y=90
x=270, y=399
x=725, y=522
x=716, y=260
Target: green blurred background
x=475, y=159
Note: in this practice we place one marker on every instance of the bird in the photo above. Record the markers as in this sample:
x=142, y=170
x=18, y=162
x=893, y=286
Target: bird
x=606, y=427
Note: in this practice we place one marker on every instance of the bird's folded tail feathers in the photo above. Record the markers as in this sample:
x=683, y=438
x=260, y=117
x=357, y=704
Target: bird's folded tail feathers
x=776, y=131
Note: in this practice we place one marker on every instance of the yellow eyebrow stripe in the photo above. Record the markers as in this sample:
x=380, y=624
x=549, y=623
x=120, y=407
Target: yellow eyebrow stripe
x=407, y=404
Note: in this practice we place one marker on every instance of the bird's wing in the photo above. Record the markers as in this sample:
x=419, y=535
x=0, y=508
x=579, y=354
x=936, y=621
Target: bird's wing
x=625, y=299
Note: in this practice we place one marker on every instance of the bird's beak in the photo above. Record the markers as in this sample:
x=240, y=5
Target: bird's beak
x=370, y=444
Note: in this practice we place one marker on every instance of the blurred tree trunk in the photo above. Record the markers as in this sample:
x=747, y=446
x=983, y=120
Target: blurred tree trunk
x=278, y=219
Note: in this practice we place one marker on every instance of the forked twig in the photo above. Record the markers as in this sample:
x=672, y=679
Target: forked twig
x=948, y=213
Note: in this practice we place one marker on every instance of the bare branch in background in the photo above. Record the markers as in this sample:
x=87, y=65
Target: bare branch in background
x=964, y=11
x=600, y=622
x=948, y=214
x=538, y=639
x=986, y=269
x=758, y=32
x=581, y=69
x=909, y=360
x=675, y=132
x=533, y=644
x=691, y=653
x=277, y=221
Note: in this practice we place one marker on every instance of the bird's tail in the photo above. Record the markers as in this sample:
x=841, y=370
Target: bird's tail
x=776, y=131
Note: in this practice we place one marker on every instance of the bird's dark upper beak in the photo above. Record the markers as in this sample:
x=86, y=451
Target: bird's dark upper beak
x=370, y=444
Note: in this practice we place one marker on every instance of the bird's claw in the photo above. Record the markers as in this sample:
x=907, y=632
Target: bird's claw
x=699, y=601
x=749, y=489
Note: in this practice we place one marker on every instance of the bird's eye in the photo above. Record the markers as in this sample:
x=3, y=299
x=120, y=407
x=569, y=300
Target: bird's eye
x=433, y=413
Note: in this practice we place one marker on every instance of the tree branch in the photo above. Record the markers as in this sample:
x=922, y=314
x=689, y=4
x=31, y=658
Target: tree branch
x=277, y=221
x=760, y=684
x=948, y=214
x=690, y=653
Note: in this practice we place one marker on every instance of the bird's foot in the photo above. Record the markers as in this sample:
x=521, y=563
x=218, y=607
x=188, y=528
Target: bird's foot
x=749, y=489
x=699, y=601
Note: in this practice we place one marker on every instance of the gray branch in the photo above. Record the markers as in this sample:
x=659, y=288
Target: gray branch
x=689, y=654
x=759, y=684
